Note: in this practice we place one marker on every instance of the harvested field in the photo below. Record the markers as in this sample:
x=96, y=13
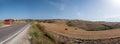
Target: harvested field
x=81, y=34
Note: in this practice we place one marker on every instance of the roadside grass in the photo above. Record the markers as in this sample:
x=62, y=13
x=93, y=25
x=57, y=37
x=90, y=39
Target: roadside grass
x=1, y=23
x=40, y=36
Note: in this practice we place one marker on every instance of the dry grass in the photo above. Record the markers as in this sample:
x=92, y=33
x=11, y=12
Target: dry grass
x=85, y=25
x=60, y=27
x=19, y=22
x=38, y=36
x=1, y=23
x=42, y=36
x=72, y=32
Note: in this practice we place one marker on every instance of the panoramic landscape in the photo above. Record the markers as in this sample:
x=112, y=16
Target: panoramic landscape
x=59, y=21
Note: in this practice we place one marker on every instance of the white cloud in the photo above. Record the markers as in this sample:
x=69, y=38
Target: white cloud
x=112, y=10
x=113, y=3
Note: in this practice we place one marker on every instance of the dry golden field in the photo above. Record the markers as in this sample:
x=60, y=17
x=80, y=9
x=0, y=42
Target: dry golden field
x=74, y=32
x=19, y=22
x=83, y=32
x=1, y=23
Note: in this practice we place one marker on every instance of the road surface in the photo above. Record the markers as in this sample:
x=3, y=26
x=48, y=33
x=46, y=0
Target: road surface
x=9, y=31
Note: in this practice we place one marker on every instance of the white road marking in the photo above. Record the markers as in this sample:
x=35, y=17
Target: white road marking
x=14, y=35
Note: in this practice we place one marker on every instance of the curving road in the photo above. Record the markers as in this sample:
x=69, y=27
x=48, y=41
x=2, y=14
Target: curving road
x=9, y=31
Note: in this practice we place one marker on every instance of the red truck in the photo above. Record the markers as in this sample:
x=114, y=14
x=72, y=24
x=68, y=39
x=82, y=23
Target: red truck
x=8, y=21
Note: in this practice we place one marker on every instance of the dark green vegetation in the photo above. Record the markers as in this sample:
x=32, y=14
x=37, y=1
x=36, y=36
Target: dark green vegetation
x=48, y=21
x=93, y=26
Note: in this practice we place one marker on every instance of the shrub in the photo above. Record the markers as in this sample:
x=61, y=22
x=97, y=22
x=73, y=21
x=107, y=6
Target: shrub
x=69, y=23
x=50, y=21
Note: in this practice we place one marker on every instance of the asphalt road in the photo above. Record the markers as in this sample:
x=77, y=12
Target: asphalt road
x=6, y=32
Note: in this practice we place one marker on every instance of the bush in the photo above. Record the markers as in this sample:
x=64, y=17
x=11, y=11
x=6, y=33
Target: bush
x=47, y=21
x=69, y=23
x=50, y=21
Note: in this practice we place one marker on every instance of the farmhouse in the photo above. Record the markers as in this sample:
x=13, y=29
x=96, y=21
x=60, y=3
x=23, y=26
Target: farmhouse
x=8, y=21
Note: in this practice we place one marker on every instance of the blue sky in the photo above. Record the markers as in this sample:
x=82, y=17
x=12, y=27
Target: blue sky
x=94, y=10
